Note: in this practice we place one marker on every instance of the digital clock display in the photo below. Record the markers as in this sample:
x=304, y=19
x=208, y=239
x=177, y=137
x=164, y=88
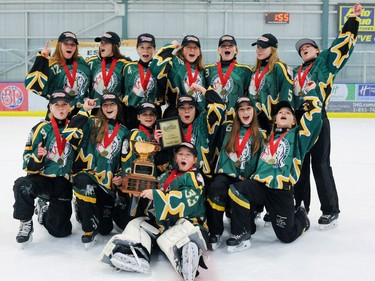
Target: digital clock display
x=278, y=17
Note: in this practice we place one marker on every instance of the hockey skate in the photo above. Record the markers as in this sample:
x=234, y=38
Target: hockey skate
x=238, y=243
x=328, y=221
x=127, y=259
x=89, y=239
x=301, y=212
x=40, y=209
x=214, y=240
x=190, y=261
x=24, y=235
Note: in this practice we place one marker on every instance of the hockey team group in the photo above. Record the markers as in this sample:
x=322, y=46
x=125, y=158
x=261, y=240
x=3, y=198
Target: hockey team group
x=249, y=135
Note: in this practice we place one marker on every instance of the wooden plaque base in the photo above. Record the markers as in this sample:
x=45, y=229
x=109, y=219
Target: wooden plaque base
x=135, y=183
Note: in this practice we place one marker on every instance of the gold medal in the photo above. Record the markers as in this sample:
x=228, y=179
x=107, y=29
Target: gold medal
x=238, y=163
x=105, y=91
x=223, y=92
x=271, y=161
x=190, y=92
x=72, y=93
x=60, y=161
x=104, y=153
x=301, y=93
x=256, y=96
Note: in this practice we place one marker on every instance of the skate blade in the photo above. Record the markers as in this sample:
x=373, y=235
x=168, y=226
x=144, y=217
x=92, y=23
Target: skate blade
x=91, y=244
x=126, y=263
x=26, y=244
x=214, y=246
x=239, y=248
x=328, y=226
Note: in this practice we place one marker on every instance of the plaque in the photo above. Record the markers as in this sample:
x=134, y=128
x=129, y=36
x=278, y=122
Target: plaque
x=142, y=175
x=172, y=135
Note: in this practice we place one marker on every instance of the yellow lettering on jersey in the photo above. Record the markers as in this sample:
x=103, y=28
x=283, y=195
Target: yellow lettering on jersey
x=168, y=209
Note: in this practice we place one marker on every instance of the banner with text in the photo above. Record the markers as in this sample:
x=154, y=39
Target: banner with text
x=366, y=31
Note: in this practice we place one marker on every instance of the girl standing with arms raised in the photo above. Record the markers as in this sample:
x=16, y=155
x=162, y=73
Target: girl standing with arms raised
x=177, y=67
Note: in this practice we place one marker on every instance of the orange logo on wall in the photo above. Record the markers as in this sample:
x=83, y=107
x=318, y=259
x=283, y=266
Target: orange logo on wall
x=13, y=97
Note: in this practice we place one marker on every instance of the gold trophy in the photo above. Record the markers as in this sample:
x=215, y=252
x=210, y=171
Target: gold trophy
x=142, y=176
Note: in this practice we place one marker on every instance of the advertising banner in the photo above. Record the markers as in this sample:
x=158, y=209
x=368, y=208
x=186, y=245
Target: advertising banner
x=366, y=31
x=13, y=97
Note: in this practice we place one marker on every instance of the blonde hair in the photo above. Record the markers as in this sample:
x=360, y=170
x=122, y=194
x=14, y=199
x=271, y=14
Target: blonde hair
x=274, y=58
x=58, y=56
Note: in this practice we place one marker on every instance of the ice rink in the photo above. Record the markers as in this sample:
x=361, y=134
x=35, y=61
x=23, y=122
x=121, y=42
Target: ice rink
x=343, y=253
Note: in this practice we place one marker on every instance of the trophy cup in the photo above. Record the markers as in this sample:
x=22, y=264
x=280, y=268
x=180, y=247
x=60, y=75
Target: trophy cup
x=142, y=176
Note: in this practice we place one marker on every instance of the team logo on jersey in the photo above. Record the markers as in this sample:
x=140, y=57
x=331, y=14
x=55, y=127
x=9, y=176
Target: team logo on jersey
x=53, y=153
x=196, y=95
x=98, y=83
x=244, y=157
x=12, y=97
x=111, y=150
x=282, y=153
x=264, y=86
x=80, y=85
x=223, y=92
x=297, y=88
x=138, y=89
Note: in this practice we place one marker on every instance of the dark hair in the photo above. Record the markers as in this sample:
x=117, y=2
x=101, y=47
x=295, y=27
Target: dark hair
x=230, y=146
x=198, y=62
x=98, y=128
x=116, y=52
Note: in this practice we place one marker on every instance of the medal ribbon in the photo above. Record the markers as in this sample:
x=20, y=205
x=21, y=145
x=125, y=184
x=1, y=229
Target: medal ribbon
x=108, y=139
x=60, y=140
x=71, y=77
x=274, y=145
x=189, y=133
x=258, y=78
x=191, y=78
x=224, y=78
x=172, y=176
x=240, y=145
x=107, y=77
x=144, y=79
x=146, y=131
x=302, y=79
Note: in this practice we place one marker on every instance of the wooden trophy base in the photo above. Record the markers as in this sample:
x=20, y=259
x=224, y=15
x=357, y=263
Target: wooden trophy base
x=136, y=183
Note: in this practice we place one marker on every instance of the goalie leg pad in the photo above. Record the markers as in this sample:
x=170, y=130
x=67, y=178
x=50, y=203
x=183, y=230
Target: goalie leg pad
x=172, y=240
x=132, y=236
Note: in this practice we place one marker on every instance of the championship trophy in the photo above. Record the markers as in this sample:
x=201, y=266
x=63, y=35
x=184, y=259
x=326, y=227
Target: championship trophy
x=142, y=176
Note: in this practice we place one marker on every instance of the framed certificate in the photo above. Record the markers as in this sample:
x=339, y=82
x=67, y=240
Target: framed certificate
x=172, y=132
